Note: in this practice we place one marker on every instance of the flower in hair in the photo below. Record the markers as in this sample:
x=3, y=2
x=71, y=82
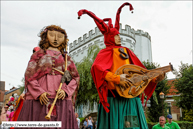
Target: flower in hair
x=45, y=30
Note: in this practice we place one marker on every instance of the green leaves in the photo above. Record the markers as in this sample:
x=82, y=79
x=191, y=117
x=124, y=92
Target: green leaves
x=184, y=85
x=22, y=86
x=155, y=97
x=87, y=90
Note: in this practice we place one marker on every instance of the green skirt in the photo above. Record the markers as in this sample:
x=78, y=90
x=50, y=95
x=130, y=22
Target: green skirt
x=124, y=114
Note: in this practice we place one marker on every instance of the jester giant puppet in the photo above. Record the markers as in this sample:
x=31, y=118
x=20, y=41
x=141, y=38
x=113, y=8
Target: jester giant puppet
x=42, y=81
x=116, y=112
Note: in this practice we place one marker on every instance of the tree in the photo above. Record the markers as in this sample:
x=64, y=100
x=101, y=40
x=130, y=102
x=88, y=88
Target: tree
x=184, y=85
x=155, y=111
x=87, y=90
x=22, y=86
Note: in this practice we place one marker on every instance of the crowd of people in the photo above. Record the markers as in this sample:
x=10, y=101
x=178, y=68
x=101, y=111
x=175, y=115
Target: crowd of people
x=15, y=102
x=7, y=111
x=163, y=125
x=6, y=115
x=88, y=123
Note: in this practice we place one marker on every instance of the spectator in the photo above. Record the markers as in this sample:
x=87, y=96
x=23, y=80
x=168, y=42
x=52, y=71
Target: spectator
x=161, y=124
x=6, y=108
x=90, y=121
x=78, y=120
x=7, y=115
x=11, y=115
x=85, y=124
x=96, y=125
x=127, y=124
x=172, y=124
x=2, y=117
x=2, y=114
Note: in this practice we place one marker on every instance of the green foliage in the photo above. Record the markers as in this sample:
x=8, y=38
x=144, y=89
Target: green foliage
x=151, y=124
x=87, y=90
x=81, y=119
x=188, y=115
x=22, y=86
x=185, y=124
x=184, y=85
x=155, y=111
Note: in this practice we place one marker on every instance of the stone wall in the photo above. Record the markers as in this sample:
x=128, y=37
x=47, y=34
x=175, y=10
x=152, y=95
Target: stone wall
x=139, y=40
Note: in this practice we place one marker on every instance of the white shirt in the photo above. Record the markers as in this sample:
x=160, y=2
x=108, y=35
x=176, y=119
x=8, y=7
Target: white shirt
x=78, y=121
x=89, y=122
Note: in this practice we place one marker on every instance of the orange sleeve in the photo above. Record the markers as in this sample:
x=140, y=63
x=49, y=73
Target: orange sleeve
x=111, y=77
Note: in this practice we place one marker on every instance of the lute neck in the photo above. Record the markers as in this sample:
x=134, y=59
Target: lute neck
x=165, y=69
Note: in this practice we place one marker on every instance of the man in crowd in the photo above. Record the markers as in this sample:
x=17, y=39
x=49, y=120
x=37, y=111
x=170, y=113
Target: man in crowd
x=90, y=121
x=85, y=124
x=161, y=124
x=2, y=116
x=172, y=124
x=96, y=125
x=78, y=120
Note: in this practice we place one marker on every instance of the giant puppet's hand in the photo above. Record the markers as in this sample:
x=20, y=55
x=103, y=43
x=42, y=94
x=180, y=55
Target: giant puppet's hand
x=43, y=98
x=22, y=96
x=124, y=82
x=61, y=94
x=68, y=76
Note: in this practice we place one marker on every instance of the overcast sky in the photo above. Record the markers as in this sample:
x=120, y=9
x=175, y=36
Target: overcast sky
x=169, y=24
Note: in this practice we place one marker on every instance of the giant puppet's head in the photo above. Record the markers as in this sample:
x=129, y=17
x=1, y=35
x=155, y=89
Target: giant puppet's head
x=53, y=36
x=107, y=30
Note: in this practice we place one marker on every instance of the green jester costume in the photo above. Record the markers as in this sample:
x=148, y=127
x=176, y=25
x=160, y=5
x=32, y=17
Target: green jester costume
x=115, y=112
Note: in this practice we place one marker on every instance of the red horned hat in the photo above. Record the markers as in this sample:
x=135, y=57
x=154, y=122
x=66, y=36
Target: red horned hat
x=107, y=30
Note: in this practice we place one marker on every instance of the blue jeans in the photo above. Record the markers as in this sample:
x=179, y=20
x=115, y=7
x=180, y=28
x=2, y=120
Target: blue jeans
x=89, y=126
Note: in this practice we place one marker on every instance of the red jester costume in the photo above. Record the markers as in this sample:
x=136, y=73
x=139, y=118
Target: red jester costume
x=115, y=111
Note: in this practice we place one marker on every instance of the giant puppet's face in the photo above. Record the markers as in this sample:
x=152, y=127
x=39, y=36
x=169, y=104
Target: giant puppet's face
x=117, y=40
x=55, y=38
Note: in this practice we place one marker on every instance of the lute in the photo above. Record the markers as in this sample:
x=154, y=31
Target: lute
x=139, y=78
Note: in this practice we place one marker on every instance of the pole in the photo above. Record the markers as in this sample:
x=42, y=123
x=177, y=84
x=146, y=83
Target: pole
x=162, y=108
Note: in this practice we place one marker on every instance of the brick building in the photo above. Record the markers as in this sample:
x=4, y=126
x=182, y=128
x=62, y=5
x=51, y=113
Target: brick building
x=9, y=93
x=2, y=92
x=172, y=109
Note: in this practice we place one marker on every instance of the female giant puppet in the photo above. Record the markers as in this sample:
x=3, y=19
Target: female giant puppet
x=115, y=111
x=42, y=81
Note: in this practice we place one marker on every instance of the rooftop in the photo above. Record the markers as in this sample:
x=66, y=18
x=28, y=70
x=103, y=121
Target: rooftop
x=172, y=90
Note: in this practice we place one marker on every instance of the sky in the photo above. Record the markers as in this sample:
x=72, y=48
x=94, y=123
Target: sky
x=169, y=23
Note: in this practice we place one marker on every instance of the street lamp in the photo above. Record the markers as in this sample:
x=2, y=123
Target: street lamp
x=161, y=95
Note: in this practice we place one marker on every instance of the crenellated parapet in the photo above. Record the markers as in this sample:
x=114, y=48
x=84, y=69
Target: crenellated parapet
x=87, y=37
x=142, y=33
x=128, y=31
x=129, y=38
x=93, y=34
